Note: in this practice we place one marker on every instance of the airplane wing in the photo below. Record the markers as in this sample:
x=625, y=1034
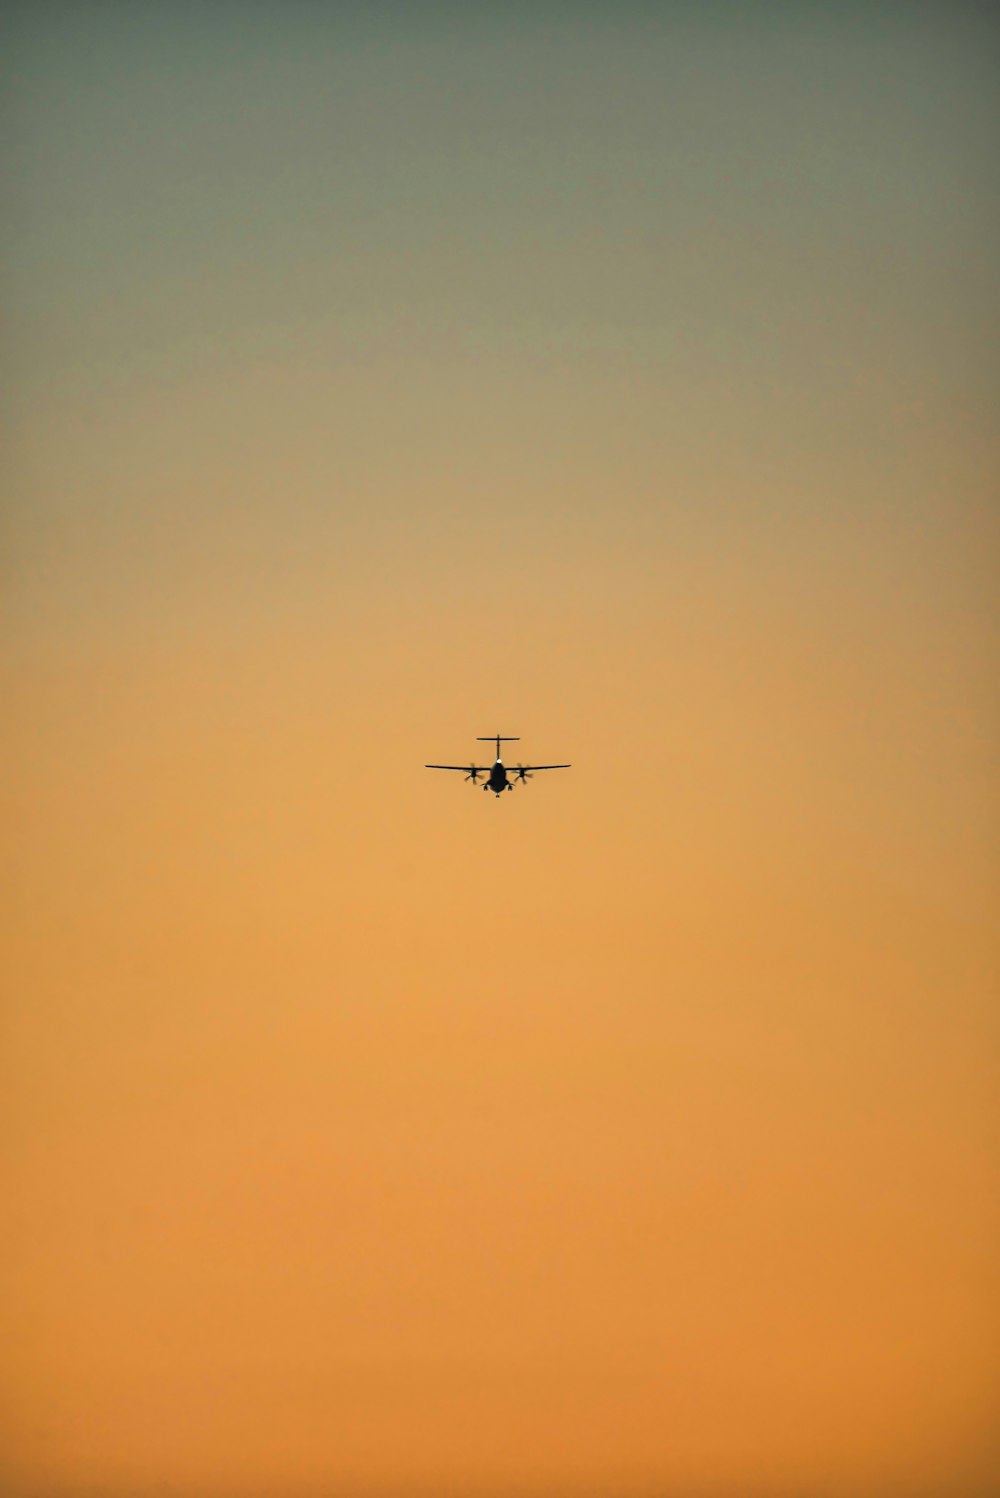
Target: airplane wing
x=516, y=769
x=467, y=768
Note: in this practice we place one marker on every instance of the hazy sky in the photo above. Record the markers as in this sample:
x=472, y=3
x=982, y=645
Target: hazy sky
x=622, y=376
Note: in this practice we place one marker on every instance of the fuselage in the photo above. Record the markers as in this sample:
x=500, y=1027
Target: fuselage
x=498, y=781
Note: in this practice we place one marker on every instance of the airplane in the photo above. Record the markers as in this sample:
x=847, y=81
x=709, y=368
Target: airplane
x=497, y=781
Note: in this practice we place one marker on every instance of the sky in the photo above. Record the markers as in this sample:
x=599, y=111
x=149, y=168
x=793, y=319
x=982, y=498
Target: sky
x=622, y=377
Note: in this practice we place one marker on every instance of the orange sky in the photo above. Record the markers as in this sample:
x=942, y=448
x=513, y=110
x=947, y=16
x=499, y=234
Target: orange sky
x=623, y=383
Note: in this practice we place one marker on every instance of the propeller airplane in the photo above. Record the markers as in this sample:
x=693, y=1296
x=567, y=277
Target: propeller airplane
x=497, y=774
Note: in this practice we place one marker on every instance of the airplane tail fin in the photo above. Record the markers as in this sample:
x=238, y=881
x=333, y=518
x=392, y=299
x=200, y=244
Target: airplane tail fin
x=498, y=739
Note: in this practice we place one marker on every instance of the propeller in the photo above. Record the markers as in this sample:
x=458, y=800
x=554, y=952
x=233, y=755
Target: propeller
x=474, y=773
x=523, y=775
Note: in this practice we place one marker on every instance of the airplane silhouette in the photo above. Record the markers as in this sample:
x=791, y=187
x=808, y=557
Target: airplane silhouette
x=496, y=774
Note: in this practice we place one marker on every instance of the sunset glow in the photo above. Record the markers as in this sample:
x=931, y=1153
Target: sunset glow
x=621, y=377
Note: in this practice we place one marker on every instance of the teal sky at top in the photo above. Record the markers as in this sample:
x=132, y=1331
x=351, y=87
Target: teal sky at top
x=243, y=233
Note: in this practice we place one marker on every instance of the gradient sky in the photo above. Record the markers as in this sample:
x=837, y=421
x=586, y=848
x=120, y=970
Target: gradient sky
x=621, y=376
